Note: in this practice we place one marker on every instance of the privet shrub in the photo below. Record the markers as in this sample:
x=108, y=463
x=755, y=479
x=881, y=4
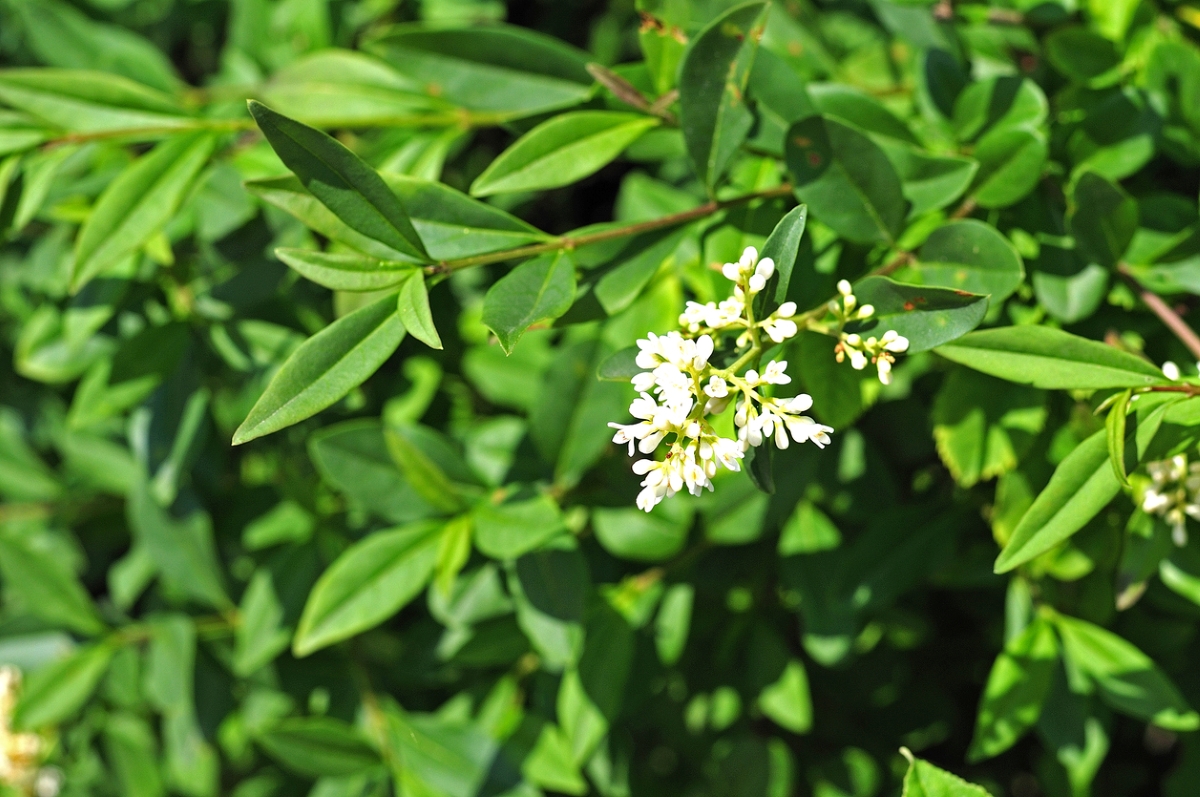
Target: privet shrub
x=317, y=409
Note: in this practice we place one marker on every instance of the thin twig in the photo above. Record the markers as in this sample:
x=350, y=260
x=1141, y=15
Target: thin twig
x=568, y=242
x=1168, y=316
x=965, y=209
x=902, y=258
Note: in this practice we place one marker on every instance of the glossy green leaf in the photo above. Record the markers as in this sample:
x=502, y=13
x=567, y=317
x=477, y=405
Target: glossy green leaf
x=673, y=622
x=561, y=151
x=413, y=308
x=712, y=89
x=929, y=182
x=787, y=701
x=60, y=689
x=845, y=179
x=635, y=267
x=430, y=463
x=861, y=110
x=325, y=367
x=783, y=247
x=368, y=583
x=970, y=256
x=132, y=749
x=1016, y=690
x=138, y=204
x=1082, y=485
x=342, y=181
x=1081, y=54
x=1115, y=424
x=541, y=289
x=1128, y=679
x=1051, y=359
x=316, y=746
x=646, y=537
x=1103, y=219
x=1011, y=161
x=928, y=317
x=344, y=271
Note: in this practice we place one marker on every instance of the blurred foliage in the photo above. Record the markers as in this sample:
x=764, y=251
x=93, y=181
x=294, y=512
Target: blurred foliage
x=420, y=572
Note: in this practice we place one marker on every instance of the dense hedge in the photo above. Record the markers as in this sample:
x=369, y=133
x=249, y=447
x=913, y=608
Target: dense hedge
x=315, y=410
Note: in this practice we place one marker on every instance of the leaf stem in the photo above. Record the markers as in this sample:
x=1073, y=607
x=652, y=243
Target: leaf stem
x=566, y=242
x=1165, y=313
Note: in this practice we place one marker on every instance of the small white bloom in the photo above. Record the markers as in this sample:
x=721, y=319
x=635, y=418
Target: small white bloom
x=843, y=287
x=885, y=370
x=774, y=373
x=892, y=341
x=786, y=310
x=716, y=388
x=1170, y=370
x=866, y=311
x=780, y=329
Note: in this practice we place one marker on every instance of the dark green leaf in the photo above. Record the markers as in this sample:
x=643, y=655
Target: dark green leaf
x=344, y=271
x=541, y=289
x=91, y=102
x=341, y=180
x=712, y=89
x=326, y=367
x=59, y=690
x=46, y=586
x=413, y=308
x=1010, y=164
x=508, y=531
x=970, y=256
x=1103, y=219
x=928, y=317
x=846, y=180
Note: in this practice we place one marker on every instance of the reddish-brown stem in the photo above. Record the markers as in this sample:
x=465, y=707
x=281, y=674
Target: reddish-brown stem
x=571, y=242
x=1165, y=313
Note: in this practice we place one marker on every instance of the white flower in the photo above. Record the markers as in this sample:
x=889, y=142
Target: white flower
x=1170, y=370
x=762, y=273
x=780, y=329
x=1174, y=494
x=894, y=342
x=774, y=373
x=885, y=370
x=716, y=387
x=844, y=288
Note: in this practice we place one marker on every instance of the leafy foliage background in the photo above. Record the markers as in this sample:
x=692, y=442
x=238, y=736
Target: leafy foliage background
x=421, y=572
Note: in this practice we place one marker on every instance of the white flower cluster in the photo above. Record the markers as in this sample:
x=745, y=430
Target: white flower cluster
x=21, y=752
x=860, y=351
x=680, y=388
x=1174, y=493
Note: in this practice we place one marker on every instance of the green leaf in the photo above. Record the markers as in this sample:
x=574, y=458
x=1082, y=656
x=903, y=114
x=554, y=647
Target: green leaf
x=1051, y=359
x=170, y=663
x=782, y=246
x=47, y=588
x=620, y=366
x=260, y=636
x=1082, y=485
x=58, y=690
x=509, y=531
x=368, y=583
x=1114, y=427
x=808, y=530
x=1010, y=164
x=562, y=150
x=861, y=110
x=787, y=702
x=430, y=464
x=318, y=746
x=673, y=622
x=325, y=367
x=1080, y=54
x=928, y=317
x=929, y=182
x=635, y=267
x=712, y=89
x=541, y=289
x=983, y=426
x=590, y=695
x=1016, y=690
x=643, y=537
x=506, y=70
x=970, y=256
x=999, y=103
x=131, y=748
x=413, y=307
x=345, y=271
x=182, y=550
x=923, y=779
x=340, y=88
x=435, y=755
x=1103, y=219
x=550, y=588
x=846, y=180
x=454, y=225
x=454, y=549
x=138, y=204
x=341, y=180
x=1129, y=681
x=91, y=102
x=353, y=457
